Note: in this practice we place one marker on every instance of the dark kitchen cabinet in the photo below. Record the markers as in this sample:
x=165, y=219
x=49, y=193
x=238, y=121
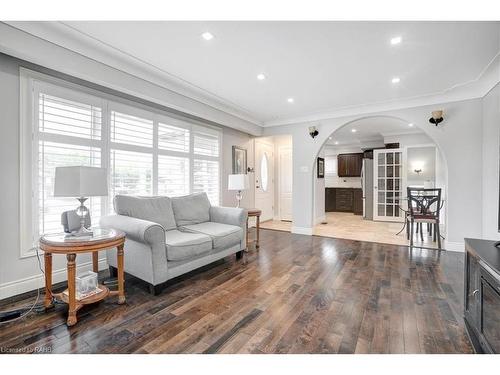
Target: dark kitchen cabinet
x=344, y=200
x=330, y=199
x=349, y=165
x=357, y=202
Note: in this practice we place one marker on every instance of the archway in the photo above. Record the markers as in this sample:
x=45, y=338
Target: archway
x=390, y=129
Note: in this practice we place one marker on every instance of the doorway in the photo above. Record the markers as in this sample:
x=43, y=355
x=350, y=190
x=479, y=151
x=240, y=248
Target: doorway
x=394, y=154
x=264, y=178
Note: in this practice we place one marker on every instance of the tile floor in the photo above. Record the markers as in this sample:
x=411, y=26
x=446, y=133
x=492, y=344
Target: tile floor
x=352, y=227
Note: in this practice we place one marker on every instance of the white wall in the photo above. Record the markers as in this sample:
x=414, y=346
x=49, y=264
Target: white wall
x=423, y=158
x=232, y=138
x=490, y=170
x=17, y=274
x=459, y=138
x=13, y=268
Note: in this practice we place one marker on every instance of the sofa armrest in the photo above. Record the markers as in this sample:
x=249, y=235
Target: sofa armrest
x=139, y=230
x=229, y=215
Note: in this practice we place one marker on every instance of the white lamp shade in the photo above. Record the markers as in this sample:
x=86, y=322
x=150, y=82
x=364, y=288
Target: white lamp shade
x=80, y=182
x=237, y=182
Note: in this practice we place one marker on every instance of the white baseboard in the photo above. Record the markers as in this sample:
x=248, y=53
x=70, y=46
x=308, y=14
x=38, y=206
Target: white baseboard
x=27, y=284
x=454, y=246
x=302, y=230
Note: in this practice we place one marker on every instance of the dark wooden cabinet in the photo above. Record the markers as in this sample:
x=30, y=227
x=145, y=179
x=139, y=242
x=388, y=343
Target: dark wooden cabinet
x=357, y=202
x=471, y=300
x=482, y=294
x=330, y=199
x=349, y=165
x=344, y=200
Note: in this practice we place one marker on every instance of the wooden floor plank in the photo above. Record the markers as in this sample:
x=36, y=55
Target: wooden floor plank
x=297, y=294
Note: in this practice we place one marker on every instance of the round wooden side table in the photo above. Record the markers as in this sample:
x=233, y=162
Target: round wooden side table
x=71, y=246
x=254, y=212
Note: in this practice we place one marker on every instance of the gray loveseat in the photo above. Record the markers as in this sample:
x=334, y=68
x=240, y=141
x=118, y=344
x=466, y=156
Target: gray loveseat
x=167, y=237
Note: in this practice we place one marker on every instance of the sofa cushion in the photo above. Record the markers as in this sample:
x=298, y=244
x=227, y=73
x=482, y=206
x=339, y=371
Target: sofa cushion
x=191, y=209
x=223, y=235
x=156, y=209
x=184, y=245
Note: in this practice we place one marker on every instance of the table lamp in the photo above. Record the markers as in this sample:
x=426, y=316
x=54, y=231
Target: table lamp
x=238, y=182
x=81, y=182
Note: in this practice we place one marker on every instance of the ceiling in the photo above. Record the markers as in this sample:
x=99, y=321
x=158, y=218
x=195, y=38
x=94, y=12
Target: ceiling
x=323, y=66
x=369, y=131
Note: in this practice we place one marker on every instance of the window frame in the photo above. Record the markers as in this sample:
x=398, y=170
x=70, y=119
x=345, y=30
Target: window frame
x=31, y=84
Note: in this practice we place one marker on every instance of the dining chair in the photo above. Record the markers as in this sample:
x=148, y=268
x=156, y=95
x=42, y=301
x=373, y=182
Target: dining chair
x=407, y=216
x=424, y=207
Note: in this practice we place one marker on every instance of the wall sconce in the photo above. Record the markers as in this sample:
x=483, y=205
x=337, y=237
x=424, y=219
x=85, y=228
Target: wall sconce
x=437, y=117
x=313, y=132
x=418, y=167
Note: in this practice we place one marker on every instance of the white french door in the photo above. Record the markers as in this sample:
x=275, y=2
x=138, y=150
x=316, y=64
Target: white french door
x=388, y=184
x=264, y=181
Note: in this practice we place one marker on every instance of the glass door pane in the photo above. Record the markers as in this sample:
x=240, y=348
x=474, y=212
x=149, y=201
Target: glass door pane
x=389, y=184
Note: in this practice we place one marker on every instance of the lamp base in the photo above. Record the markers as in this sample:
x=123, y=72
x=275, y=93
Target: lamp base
x=81, y=232
x=239, y=196
x=81, y=211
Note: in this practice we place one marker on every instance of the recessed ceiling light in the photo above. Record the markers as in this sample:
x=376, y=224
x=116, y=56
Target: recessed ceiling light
x=396, y=40
x=354, y=130
x=410, y=125
x=290, y=100
x=330, y=138
x=207, y=36
x=261, y=77
x=336, y=142
x=396, y=80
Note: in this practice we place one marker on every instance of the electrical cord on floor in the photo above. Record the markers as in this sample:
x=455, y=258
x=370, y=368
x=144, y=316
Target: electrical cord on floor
x=5, y=315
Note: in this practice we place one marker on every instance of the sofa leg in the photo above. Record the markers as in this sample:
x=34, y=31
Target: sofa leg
x=239, y=254
x=154, y=289
x=113, y=272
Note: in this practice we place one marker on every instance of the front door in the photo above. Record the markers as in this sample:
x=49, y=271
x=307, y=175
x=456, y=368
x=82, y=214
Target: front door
x=388, y=184
x=264, y=181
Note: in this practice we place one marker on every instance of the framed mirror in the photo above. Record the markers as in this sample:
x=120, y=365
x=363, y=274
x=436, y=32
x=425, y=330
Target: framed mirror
x=239, y=160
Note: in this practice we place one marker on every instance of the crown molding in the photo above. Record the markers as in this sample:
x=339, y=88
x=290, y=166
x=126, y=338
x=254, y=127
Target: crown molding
x=473, y=89
x=69, y=38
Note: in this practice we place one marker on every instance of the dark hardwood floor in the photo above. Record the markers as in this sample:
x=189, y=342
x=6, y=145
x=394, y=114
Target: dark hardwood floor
x=298, y=294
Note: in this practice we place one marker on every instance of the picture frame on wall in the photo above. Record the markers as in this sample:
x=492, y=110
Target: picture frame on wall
x=239, y=160
x=321, y=167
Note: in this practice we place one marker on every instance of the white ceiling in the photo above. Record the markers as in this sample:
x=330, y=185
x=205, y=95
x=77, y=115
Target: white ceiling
x=323, y=65
x=370, y=130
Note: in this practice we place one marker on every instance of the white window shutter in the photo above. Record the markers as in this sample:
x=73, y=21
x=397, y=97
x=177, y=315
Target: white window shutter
x=206, y=178
x=131, y=173
x=65, y=131
x=173, y=138
x=131, y=130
